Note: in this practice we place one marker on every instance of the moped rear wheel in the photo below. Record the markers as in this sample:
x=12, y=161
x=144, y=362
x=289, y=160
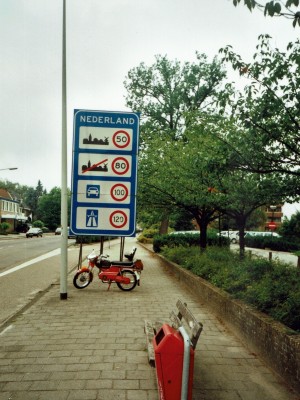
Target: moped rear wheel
x=128, y=286
x=82, y=279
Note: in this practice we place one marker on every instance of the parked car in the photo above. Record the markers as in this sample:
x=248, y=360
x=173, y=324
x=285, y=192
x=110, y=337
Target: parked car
x=58, y=231
x=269, y=234
x=233, y=236
x=185, y=232
x=34, y=232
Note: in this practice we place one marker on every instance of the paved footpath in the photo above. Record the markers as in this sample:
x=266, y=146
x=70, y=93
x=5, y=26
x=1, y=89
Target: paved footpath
x=92, y=346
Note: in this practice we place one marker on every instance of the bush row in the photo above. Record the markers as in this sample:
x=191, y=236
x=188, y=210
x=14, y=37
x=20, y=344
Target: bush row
x=87, y=239
x=270, y=286
x=273, y=243
x=186, y=239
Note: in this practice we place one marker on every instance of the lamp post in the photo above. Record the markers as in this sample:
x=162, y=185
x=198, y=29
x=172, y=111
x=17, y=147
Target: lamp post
x=64, y=189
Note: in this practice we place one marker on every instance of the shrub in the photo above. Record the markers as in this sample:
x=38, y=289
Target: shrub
x=89, y=239
x=149, y=233
x=270, y=286
x=38, y=224
x=186, y=239
x=4, y=226
x=273, y=243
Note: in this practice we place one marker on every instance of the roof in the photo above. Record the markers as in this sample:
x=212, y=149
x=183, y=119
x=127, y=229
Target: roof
x=5, y=194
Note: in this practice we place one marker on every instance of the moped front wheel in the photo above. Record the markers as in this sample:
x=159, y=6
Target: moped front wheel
x=82, y=279
x=128, y=286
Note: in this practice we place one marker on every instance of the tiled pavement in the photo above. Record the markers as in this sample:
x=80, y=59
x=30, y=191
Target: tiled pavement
x=92, y=346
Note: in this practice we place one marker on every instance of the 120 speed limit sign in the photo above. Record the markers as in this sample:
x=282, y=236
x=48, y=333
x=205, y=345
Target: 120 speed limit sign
x=118, y=219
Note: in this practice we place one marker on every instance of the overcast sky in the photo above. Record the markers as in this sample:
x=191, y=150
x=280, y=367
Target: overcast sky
x=105, y=39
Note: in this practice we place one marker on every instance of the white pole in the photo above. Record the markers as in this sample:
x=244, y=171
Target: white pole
x=186, y=364
x=64, y=165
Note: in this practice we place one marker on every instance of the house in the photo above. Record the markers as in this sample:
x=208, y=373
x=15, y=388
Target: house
x=12, y=212
x=274, y=216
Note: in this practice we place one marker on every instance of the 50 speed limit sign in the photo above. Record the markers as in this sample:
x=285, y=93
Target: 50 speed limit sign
x=121, y=139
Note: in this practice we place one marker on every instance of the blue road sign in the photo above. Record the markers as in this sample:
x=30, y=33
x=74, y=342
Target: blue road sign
x=104, y=173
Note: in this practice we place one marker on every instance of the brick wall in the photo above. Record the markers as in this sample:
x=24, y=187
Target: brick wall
x=274, y=342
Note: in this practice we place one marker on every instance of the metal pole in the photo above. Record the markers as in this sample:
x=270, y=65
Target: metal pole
x=186, y=363
x=101, y=245
x=122, y=245
x=64, y=164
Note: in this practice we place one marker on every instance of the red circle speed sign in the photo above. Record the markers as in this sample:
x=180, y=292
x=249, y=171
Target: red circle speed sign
x=121, y=139
x=119, y=192
x=118, y=219
x=120, y=165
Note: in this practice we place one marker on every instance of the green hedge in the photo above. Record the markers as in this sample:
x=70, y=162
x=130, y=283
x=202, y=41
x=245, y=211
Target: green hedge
x=86, y=239
x=272, y=243
x=270, y=286
x=186, y=239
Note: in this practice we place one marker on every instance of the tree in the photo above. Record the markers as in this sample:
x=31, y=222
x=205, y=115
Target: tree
x=179, y=175
x=266, y=129
x=49, y=208
x=291, y=227
x=275, y=8
x=32, y=198
x=245, y=193
x=166, y=93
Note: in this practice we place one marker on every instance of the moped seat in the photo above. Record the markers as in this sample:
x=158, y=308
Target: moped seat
x=103, y=264
x=122, y=264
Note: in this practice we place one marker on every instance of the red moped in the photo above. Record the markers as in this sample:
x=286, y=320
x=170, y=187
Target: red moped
x=126, y=274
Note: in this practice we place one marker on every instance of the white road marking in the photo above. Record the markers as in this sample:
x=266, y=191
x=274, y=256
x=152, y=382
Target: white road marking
x=6, y=329
x=33, y=261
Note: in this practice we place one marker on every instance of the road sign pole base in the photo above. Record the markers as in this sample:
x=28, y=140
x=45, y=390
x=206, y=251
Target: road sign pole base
x=63, y=296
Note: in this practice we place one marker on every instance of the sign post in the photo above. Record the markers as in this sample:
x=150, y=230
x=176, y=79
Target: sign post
x=105, y=150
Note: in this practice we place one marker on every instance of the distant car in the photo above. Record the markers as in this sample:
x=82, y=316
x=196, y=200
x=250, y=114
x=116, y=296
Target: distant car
x=269, y=234
x=34, y=232
x=233, y=236
x=185, y=233
x=58, y=231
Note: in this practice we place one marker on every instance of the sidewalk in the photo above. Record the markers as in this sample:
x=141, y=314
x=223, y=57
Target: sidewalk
x=92, y=346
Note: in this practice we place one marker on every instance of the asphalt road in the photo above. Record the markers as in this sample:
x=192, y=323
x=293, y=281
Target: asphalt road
x=31, y=266
x=17, y=251
x=282, y=256
x=18, y=285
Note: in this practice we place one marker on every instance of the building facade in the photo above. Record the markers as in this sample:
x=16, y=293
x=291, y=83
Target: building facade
x=274, y=217
x=12, y=212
